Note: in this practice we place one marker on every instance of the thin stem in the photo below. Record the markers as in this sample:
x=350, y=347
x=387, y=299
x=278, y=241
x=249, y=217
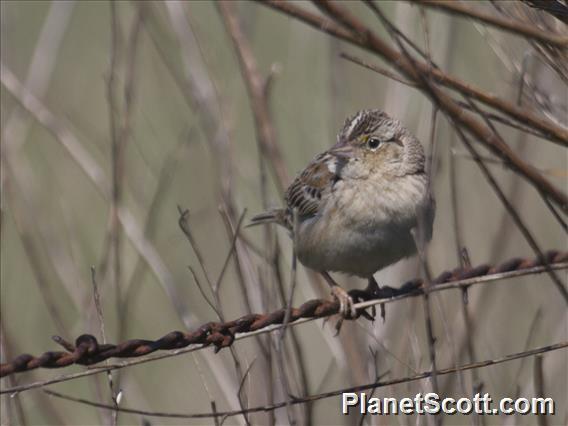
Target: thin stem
x=379, y=384
x=457, y=284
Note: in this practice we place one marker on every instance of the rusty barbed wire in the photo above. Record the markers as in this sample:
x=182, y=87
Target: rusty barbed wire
x=315, y=397
x=88, y=351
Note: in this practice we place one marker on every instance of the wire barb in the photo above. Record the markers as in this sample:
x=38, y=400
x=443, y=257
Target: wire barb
x=87, y=351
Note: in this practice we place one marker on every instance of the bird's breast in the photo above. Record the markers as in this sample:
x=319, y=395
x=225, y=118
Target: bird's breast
x=363, y=227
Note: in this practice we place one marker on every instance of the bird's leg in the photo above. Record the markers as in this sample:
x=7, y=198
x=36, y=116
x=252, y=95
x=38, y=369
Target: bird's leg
x=374, y=290
x=346, y=308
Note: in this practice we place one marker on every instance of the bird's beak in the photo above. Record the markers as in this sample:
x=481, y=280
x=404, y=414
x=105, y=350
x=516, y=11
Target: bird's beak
x=344, y=151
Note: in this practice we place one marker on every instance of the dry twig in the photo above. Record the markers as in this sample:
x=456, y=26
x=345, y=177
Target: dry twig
x=512, y=26
x=374, y=385
x=87, y=351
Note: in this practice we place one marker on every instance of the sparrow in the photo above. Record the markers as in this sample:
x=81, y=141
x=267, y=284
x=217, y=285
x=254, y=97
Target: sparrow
x=355, y=207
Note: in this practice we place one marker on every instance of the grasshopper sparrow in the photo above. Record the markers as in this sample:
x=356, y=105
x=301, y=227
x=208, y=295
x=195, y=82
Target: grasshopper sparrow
x=357, y=203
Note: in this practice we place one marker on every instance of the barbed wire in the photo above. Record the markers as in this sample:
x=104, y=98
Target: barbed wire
x=87, y=350
x=324, y=395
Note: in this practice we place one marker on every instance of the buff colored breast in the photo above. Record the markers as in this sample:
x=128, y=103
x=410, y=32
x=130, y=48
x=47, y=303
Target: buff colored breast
x=364, y=227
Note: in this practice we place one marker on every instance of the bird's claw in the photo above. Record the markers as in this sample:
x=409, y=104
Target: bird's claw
x=346, y=309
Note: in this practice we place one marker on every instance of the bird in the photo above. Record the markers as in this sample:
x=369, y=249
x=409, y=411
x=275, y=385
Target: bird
x=356, y=207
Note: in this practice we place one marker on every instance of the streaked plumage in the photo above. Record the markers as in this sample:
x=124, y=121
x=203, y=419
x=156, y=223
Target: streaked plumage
x=358, y=201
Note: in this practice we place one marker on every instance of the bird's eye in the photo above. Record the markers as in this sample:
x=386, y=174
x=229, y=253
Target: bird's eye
x=373, y=143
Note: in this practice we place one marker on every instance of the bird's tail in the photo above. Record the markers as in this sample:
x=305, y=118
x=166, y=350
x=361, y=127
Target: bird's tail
x=278, y=216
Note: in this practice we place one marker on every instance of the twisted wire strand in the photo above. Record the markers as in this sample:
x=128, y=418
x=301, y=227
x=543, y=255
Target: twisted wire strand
x=316, y=397
x=87, y=350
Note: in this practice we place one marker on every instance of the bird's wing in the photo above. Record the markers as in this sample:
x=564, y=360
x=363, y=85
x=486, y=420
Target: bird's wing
x=316, y=181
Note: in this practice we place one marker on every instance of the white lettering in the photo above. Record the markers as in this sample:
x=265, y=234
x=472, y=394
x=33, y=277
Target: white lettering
x=406, y=406
x=390, y=406
x=448, y=405
x=464, y=405
x=506, y=406
x=349, y=400
x=543, y=406
x=432, y=402
x=522, y=406
x=374, y=406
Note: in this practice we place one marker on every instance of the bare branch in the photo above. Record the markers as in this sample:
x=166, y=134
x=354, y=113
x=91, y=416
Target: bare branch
x=223, y=334
x=379, y=384
x=365, y=40
x=256, y=87
x=509, y=25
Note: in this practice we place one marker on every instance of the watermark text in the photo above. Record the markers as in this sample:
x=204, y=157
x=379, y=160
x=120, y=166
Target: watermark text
x=431, y=403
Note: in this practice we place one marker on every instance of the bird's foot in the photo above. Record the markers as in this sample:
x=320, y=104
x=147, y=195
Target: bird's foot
x=346, y=309
x=375, y=292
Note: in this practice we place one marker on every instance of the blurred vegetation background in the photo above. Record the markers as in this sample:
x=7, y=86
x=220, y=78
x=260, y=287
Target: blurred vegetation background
x=57, y=221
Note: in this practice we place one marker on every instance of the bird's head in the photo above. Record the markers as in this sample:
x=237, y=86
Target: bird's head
x=377, y=143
